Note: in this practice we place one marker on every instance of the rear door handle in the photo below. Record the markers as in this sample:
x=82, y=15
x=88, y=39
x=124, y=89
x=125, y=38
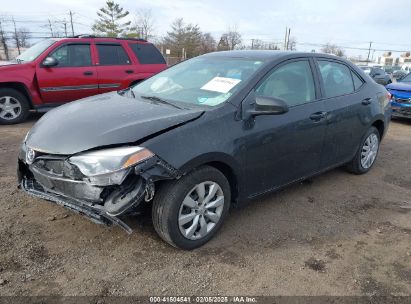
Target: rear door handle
x=366, y=101
x=129, y=71
x=88, y=73
x=318, y=116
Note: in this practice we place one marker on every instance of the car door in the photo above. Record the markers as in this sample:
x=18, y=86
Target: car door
x=283, y=148
x=347, y=106
x=73, y=77
x=114, y=66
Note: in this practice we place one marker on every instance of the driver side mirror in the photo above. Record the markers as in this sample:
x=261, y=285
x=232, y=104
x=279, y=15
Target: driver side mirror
x=269, y=106
x=50, y=62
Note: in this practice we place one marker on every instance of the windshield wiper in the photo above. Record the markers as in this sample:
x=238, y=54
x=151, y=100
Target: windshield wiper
x=19, y=60
x=158, y=99
x=130, y=91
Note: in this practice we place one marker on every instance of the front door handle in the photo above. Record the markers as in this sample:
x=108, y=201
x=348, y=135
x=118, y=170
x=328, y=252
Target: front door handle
x=88, y=73
x=366, y=101
x=317, y=116
x=129, y=71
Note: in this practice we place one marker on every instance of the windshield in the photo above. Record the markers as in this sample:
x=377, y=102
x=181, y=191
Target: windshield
x=33, y=52
x=203, y=81
x=406, y=78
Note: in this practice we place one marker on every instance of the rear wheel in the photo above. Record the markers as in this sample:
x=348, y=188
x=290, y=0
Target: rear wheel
x=14, y=107
x=188, y=212
x=365, y=157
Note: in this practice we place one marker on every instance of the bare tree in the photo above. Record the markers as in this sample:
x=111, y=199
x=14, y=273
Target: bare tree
x=230, y=39
x=333, y=49
x=22, y=36
x=258, y=44
x=144, y=24
x=223, y=44
x=207, y=44
x=3, y=41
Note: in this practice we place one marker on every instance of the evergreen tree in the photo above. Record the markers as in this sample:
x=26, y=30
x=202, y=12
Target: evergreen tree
x=183, y=36
x=109, y=22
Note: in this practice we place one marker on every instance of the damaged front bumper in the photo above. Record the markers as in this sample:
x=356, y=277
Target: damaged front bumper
x=52, y=178
x=94, y=212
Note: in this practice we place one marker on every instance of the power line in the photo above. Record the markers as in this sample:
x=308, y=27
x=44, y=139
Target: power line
x=352, y=48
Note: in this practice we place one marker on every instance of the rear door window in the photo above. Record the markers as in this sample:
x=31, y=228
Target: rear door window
x=112, y=54
x=358, y=82
x=336, y=77
x=147, y=53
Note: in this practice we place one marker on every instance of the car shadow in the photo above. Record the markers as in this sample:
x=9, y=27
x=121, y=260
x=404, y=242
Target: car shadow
x=401, y=120
x=33, y=117
x=315, y=210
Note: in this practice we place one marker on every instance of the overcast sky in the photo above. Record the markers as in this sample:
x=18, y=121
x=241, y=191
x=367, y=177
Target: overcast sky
x=351, y=23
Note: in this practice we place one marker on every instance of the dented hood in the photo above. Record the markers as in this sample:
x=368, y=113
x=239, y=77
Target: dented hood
x=103, y=120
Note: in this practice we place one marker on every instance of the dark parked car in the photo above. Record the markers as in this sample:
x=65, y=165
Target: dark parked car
x=378, y=74
x=401, y=97
x=399, y=74
x=218, y=129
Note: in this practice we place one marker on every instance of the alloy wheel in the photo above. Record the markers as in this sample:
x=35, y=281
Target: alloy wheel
x=201, y=210
x=10, y=108
x=369, y=151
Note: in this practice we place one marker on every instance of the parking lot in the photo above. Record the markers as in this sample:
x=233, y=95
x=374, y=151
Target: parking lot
x=336, y=234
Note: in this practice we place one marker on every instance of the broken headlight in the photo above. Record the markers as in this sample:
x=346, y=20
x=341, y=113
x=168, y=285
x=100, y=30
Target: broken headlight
x=110, y=166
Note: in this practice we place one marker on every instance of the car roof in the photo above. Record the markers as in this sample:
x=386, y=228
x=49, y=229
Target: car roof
x=268, y=55
x=111, y=39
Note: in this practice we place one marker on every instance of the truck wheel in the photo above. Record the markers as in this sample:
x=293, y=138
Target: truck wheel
x=188, y=212
x=367, y=153
x=14, y=107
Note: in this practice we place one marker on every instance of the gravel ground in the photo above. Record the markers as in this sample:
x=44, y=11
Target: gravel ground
x=337, y=234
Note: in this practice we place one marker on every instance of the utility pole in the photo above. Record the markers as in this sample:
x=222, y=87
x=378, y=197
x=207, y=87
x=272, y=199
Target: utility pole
x=51, y=28
x=16, y=36
x=65, y=27
x=252, y=44
x=369, y=51
x=288, y=37
x=285, y=38
x=71, y=21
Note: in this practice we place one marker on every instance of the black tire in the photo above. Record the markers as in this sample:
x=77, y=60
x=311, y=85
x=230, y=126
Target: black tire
x=24, y=106
x=168, y=200
x=355, y=165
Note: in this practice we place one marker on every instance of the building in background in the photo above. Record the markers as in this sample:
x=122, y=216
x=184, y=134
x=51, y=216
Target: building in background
x=387, y=59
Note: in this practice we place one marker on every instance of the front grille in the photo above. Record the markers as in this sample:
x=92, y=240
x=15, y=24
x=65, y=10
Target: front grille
x=403, y=100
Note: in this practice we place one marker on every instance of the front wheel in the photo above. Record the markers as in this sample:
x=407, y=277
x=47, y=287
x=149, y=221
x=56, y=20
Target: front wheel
x=365, y=157
x=14, y=107
x=188, y=212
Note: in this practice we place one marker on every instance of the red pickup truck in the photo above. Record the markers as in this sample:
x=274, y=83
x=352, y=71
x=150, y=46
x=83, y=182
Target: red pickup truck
x=59, y=70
